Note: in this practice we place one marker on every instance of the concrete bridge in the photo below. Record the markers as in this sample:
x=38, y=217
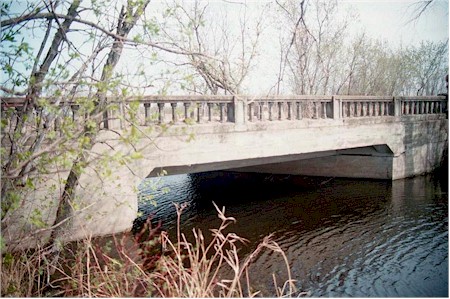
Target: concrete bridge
x=343, y=136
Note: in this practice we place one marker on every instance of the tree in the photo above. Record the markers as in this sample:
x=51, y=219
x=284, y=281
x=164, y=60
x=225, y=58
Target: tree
x=317, y=37
x=320, y=56
x=74, y=66
x=229, y=44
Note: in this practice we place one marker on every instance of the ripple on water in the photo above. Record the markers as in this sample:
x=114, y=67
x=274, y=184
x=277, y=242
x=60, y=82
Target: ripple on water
x=343, y=238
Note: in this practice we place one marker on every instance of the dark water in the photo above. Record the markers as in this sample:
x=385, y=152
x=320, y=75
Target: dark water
x=342, y=237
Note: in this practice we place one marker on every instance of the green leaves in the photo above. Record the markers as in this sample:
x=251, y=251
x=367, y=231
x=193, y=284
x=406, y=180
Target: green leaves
x=36, y=219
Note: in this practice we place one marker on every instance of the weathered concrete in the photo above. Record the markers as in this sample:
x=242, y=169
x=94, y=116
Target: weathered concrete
x=389, y=148
x=372, y=142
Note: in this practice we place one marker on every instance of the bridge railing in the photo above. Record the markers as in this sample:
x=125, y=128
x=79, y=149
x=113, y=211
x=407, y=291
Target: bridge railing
x=149, y=110
x=278, y=108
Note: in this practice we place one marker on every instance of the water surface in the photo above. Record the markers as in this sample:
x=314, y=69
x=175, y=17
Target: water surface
x=342, y=237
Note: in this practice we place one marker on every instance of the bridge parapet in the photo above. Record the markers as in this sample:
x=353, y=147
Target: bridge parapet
x=239, y=109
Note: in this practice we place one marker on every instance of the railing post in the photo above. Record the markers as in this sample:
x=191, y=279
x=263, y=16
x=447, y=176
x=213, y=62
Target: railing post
x=397, y=106
x=324, y=109
x=186, y=111
x=261, y=111
x=289, y=110
x=337, y=108
x=270, y=111
x=161, y=113
x=74, y=109
x=299, y=111
x=239, y=110
x=174, y=112
x=251, y=111
x=222, y=112
x=280, y=108
x=210, y=111
x=199, y=112
x=147, y=113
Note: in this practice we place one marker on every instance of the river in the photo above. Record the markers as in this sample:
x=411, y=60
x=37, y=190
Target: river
x=342, y=237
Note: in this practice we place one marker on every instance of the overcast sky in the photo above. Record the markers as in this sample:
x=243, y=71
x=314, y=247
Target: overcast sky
x=391, y=20
x=388, y=20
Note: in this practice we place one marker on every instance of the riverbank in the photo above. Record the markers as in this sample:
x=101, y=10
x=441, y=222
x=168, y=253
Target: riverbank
x=148, y=263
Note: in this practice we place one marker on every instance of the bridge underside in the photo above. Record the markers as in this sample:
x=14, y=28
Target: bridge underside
x=375, y=149
x=375, y=162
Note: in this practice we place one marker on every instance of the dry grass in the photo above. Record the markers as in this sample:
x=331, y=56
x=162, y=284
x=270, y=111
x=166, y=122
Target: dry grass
x=147, y=264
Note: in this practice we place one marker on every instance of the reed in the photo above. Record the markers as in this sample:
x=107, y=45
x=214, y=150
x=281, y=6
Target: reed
x=149, y=263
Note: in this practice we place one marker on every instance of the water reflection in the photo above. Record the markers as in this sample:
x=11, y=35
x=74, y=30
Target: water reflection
x=342, y=237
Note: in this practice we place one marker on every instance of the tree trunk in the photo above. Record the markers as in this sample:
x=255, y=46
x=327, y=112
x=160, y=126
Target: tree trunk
x=127, y=20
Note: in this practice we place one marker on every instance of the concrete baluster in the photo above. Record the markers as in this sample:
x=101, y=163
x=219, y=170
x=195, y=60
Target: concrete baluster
x=299, y=110
x=365, y=109
x=199, y=112
x=345, y=109
x=250, y=111
x=74, y=109
x=280, y=109
x=222, y=112
x=147, y=113
x=186, y=111
x=316, y=110
x=261, y=111
x=210, y=111
x=289, y=110
x=174, y=112
x=270, y=111
x=161, y=116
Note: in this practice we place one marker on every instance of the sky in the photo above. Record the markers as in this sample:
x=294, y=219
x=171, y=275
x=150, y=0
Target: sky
x=391, y=20
x=388, y=20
